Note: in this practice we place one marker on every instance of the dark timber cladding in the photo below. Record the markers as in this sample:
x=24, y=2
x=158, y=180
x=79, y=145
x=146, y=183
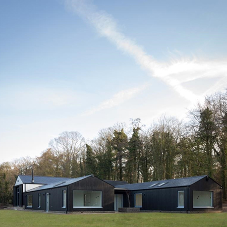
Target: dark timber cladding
x=165, y=199
x=199, y=193
x=18, y=195
x=50, y=197
x=89, y=193
x=55, y=199
x=93, y=184
x=207, y=184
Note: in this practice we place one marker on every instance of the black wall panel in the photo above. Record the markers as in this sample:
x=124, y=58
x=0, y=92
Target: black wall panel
x=94, y=184
x=165, y=199
x=207, y=184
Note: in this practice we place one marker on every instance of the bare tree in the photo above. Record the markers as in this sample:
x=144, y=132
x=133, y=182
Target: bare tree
x=70, y=146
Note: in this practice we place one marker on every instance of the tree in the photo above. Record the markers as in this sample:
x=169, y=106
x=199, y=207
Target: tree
x=134, y=157
x=163, y=147
x=188, y=159
x=90, y=161
x=207, y=135
x=107, y=162
x=120, y=144
x=46, y=165
x=70, y=146
x=145, y=159
x=6, y=185
x=223, y=154
x=218, y=104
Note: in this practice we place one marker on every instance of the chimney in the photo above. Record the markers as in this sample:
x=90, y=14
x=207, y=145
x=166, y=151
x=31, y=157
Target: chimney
x=32, y=176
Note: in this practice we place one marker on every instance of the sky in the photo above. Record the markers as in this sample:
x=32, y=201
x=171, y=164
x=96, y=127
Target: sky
x=83, y=65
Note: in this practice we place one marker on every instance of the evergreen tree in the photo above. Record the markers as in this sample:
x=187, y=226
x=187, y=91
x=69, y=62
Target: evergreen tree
x=223, y=155
x=90, y=161
x=120, y=144
x=5, y=190
x=75, y=167
x=145, y=160
x=108, y=157
x=206, y=136
x=134, y=157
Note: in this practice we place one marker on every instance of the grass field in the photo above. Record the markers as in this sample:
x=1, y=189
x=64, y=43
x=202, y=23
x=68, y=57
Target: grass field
x=13, y=218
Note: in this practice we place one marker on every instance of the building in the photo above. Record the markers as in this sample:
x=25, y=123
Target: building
x=64, y=194
x=199, y=193
x=89, y=193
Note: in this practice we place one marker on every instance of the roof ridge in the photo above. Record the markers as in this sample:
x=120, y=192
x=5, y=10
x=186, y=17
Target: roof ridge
x=44, y=176
x=60, y=183
x=174, y=182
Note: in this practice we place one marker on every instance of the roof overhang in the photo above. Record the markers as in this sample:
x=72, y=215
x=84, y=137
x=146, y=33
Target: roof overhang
x=120, y=189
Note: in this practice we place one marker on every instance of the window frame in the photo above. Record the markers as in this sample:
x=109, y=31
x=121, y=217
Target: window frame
x=29, y=205
x=84, y=196
x=205, y=207
x=140, y=206
x=178, y=199
x=39, y=200
x=64, y=198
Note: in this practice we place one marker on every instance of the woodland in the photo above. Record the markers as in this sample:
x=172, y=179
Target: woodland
x=169, y=148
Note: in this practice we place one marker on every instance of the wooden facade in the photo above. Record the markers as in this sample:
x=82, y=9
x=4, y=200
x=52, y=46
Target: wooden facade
x=93, y=184
x=207, y=184
x=166, y=199
x=55, y=196
x=178, y=195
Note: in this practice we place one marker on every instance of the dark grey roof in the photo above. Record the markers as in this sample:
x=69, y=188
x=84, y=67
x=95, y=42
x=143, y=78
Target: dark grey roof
x=26, y=179
x=172, y=183
x=114, y=183
x=63, y=182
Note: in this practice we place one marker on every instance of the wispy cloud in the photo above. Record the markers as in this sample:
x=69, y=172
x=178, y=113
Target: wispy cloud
x=117, y=99
x=173, y=73
x=20, y=97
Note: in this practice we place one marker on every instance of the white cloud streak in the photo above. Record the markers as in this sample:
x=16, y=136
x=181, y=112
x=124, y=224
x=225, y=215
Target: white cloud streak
x=173, y=73
x=117, y=99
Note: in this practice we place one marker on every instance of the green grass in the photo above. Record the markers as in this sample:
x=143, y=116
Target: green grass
x=13, y=218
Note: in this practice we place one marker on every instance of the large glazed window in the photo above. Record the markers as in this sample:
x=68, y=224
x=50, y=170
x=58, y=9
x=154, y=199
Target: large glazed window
x=64, y=199
x=202, y=199
x=138, y=200
x=29, y=200
x=87, y=199
x=181, y=199
x=39, y=200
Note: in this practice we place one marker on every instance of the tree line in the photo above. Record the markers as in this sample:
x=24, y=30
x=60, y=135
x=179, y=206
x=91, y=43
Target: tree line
x=168, y=149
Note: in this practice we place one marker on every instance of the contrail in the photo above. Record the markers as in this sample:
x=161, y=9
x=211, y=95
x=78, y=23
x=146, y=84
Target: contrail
x=117, y=99
x=167, y=72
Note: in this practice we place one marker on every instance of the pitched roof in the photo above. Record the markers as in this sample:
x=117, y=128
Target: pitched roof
x=114, y=183
x=171, y=183
x=61, y=183
x=26, y=179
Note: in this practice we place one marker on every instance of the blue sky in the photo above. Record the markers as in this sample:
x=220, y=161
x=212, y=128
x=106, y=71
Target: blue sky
x=75, y=65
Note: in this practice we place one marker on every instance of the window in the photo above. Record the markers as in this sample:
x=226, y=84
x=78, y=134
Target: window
x=161, y=184
x=39, y=200
x=87, y=199
x=138, y=200
x=64, y=199
x=153, y=185
x=18, y=196
x=29, y=200
x=202, y=199
x=180, y=199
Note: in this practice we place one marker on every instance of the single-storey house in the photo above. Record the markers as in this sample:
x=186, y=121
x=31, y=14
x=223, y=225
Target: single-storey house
x=89, y=193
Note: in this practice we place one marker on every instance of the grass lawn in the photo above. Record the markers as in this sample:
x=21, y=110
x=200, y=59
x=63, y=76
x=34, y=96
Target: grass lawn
x=13, y=218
